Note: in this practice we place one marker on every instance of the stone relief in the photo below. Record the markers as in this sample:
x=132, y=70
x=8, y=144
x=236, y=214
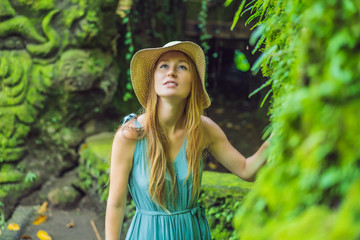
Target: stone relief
x=56, y=72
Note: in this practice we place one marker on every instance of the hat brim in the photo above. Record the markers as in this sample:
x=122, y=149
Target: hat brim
x=143, y=63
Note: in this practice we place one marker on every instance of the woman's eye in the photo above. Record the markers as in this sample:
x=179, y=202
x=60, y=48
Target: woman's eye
x=183, y=67
x=163, y=66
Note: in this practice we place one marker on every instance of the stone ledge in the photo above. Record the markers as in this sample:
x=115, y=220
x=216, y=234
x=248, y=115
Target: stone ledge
x=21, y=216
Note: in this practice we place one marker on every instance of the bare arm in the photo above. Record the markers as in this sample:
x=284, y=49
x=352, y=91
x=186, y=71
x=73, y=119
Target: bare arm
x=220, y=147
x=121, y=164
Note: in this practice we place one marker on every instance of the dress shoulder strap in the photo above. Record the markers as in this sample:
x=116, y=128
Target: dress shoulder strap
x=130, y=117
x=140, y=148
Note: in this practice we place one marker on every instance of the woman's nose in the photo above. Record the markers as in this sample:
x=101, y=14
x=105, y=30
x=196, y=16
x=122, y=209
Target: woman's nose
x=171, y=72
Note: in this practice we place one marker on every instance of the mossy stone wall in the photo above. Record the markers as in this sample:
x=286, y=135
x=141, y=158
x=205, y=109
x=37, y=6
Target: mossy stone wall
x=54, y=57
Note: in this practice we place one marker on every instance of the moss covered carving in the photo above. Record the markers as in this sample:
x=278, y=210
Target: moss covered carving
x=15, y=112
x=44, y=50
x=22, y=26
x=54, y=57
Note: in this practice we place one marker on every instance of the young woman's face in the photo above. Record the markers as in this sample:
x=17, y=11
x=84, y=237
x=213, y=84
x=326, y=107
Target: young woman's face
x=172, y=76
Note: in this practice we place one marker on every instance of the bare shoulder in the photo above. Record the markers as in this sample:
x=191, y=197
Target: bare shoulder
x=123, y=146
x=209, y=124
x=212, y=131
x=126, y=133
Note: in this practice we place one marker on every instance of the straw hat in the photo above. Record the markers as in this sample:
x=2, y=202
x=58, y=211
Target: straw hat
x=143, y=63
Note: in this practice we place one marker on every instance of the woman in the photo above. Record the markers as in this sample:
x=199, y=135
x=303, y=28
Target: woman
x=158, y=154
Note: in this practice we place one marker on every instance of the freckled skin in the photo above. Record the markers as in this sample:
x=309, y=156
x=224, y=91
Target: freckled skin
x=174, y=67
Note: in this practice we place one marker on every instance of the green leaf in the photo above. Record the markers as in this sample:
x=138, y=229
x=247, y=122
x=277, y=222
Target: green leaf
x=258, y=32
x=128, y=35
x=267, y=83
x=237, y=14
x=30, y=177
x=131, y=49
x=264, y=6
x=128, y=56
x=266, y=96
x=227, y=3
x=129, y=86
x=240, y=61
x=330, y=177
x=127, y=96
x=263, y=57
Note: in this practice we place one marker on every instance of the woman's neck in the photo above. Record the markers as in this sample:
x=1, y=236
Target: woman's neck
x=171, y=116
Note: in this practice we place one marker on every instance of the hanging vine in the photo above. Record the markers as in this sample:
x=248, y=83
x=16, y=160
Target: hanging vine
x=130, y=46
x=124, y=11
x=205, y=36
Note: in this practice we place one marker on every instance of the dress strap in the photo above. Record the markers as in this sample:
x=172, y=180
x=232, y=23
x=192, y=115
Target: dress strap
x=129, y=117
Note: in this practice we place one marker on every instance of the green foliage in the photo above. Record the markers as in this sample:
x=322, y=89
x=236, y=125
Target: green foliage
x=2, y=217
x=237, y=14
x=129, y=93
x=10, y=176
x=129, y=213
x=221, y=194
x=311, y=59
x=202, y=25
x=51, y=46
x=240, y=61
x=94, y=172
x=94, y=164
x=37, y=5
x=30, y=177
x=220, y=214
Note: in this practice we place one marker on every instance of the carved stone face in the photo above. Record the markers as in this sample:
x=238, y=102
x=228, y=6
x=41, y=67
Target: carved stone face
x=77, y=70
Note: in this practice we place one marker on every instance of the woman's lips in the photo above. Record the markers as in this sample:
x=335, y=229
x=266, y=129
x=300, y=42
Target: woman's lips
x=171, y=83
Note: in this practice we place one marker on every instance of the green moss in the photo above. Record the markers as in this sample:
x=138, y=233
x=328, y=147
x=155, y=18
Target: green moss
x=63, y=196
x=31, y=95
x=7, y=124
x=45, y=49
x=72, y=13
x=11, y=177
x=224, y=184
x=3, y=194
x=100, y=144
x=6, y=9
x=22, y=26
x=221, y=195
x=38, y=4
x=11, y=154
x=309, y=182
x=94, y=163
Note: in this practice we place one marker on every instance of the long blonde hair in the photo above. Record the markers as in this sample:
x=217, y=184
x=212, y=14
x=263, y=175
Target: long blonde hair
x=158, y=144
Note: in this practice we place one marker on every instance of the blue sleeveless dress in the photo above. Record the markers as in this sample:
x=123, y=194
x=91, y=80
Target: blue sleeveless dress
x=186, y=219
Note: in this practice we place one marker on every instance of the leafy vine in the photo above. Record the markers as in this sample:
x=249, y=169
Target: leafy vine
x=130, y=46
x=202, y=25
